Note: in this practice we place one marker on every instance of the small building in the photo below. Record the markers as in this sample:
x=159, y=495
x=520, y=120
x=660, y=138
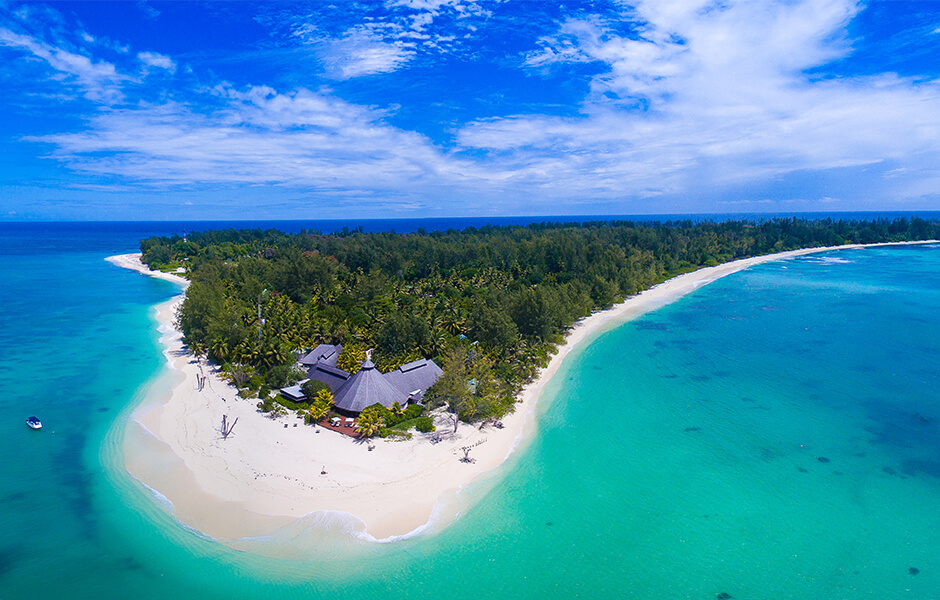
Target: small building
x=324, y=353
x=294, y=393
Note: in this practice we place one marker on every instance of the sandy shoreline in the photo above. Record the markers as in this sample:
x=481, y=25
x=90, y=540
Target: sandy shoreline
x=265, y=477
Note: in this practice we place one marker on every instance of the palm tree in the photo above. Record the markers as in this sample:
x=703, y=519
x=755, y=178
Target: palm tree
x=397, y=409
x=247, y=352
x=320, y=407
x=453, y=321
x=198, y=349
x=435, y=342
x=369, y=423
x=219, y=350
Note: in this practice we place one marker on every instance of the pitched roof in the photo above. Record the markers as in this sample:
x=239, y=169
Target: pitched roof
x=365, y=388
x=294, y=392
x=324, y=352
x=414, y=378
x=331, y=376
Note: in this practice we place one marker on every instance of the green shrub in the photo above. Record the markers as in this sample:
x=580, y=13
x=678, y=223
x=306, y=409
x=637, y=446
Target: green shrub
x=394, y=434
x=290, y=404
x=413, y=412
x=283, y=376
x=312, y=388
x=424, y=424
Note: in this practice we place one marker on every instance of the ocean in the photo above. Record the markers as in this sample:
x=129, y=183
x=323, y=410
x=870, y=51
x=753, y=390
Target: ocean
x=775, y=434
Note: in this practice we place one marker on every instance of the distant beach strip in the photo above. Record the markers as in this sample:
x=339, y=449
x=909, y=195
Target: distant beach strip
x=271, y=473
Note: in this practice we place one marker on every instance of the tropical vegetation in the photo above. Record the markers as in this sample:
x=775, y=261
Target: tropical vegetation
x=490, y=305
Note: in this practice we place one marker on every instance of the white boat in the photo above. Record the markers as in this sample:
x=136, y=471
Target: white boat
x=34, y=423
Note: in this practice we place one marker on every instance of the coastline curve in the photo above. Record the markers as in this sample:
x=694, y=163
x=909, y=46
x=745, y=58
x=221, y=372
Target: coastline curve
x=265, y=479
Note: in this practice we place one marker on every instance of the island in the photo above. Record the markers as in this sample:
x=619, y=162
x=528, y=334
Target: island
x=361, y=381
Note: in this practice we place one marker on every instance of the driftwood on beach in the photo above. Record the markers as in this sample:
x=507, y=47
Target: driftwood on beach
x=226, y=431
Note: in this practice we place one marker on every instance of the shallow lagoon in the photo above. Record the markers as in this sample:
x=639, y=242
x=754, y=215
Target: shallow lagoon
x=680, y=457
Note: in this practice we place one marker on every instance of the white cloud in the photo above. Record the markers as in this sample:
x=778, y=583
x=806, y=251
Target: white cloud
x=692, y=99
x=149, y=11
x=362, y=52
x=301, y=140
x=99, y=80
x=386, y=38
x=160, y=61
x=699, y=98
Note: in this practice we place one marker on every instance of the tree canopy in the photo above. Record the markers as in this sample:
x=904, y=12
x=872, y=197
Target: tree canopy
x=490, y=304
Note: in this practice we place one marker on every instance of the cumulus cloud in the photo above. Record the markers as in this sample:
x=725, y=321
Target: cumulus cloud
x=689, y=97
x=156, y=60
x=702, y=94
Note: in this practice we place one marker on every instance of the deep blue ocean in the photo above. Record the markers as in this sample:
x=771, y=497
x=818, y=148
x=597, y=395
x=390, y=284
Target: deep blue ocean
x=775, y=434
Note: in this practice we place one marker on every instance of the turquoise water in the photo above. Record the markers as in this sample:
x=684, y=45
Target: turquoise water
x=679, y=457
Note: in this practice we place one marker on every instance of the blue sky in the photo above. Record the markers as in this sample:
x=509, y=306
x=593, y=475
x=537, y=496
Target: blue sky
x=432, y=108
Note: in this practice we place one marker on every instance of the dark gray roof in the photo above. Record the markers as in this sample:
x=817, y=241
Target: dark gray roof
x=324, y=352
x=331, y=376
x=415, y=377
x=365, y=388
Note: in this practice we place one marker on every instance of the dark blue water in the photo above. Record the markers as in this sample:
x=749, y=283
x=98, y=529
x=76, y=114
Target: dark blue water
x=123, y=236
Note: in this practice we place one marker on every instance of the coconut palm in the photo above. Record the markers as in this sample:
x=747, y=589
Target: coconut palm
x=321, y=407
x=369, y=423
x=219, y=350
x=453, y=320
x=435, y=342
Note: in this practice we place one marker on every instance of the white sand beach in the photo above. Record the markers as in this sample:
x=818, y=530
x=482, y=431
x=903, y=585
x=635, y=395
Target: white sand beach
x=265, y=476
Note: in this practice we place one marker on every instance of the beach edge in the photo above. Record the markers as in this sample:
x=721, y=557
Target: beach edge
x=439, y=505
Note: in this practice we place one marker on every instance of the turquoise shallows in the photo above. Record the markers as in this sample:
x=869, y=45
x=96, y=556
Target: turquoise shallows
x=775, y=434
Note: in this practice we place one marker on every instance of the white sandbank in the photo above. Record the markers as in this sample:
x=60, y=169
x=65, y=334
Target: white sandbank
x=265, y=476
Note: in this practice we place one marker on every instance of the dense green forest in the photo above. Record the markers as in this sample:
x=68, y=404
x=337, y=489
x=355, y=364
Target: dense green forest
x=490, y=305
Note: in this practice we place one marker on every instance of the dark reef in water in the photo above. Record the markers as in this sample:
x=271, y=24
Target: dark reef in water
x=823, y=459
x=802, y=470
x=693, y=429
x=914, y=467
x=913, y=570
x=724, y=596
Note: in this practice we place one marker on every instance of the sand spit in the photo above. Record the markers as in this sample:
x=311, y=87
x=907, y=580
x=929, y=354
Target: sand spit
x=267, y=474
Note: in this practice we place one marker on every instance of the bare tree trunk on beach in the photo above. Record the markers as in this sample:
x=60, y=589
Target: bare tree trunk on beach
x=454, y=418
x=228, y=430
